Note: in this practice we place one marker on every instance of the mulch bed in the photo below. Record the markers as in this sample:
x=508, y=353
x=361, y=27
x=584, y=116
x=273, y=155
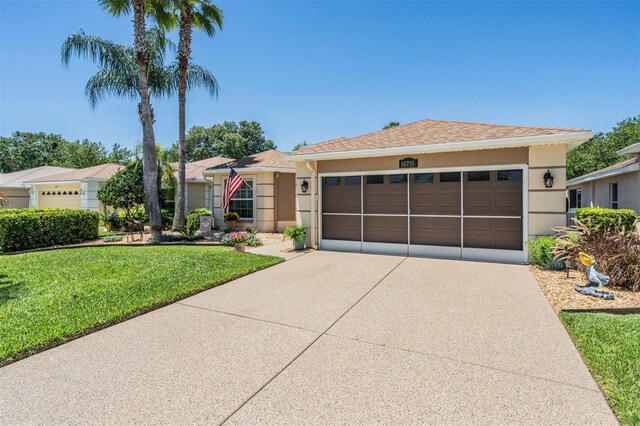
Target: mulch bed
x=561, y=294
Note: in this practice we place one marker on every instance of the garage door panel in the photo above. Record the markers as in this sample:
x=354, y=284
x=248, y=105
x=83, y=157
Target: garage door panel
x=385, y=229
x=345, y=228
x=435, y=198
x=493, y=233
x=437, y=231
x=341, y=197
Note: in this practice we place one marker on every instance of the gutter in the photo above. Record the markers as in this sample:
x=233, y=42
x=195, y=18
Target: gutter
x=314, y=199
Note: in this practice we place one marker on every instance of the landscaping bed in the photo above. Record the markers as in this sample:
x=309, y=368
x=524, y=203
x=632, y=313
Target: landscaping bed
x=49, y=297
x=610, y=346
x=561, y=294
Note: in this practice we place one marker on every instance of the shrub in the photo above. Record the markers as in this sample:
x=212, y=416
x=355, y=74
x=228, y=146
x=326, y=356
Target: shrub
x=617, y=254
x=540, y=251
x=605, y=221
x=112, y=221
x=35, y=228
x=193, y=219
x=112, y=239
x=167, y=219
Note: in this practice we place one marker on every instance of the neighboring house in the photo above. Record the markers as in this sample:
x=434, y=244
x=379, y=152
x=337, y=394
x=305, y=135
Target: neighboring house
x=74, y=189
x=266, y=201
x=435, y=188
x=197, y=188
x=615, y=187
x=15, y=186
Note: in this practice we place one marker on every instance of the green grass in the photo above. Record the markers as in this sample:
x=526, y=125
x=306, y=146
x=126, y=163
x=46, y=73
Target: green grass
x=52, y=296
x=610, y=345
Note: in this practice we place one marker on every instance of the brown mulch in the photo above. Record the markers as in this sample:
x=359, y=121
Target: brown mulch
x=561, y=293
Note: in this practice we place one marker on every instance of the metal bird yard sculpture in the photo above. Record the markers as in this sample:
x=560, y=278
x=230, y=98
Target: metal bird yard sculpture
x=595, y=279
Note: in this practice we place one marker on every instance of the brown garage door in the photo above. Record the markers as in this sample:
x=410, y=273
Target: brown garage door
x=426, y=213
x=493, y=209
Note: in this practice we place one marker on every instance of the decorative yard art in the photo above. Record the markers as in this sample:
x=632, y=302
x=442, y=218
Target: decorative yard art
x=595, y=280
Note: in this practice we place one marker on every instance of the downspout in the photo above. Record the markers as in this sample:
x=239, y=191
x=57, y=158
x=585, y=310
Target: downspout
x=314, y=230
x=211, y=194
x=276, y=175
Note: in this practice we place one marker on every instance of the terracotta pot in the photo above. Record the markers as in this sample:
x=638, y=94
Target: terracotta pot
x=239, y=247
x=232, y=224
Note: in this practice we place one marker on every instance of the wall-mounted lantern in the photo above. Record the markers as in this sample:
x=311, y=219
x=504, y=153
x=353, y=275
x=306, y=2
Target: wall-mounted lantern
x=304, y=186
x=548, y=179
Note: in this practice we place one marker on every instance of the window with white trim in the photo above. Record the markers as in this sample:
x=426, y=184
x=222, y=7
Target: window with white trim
x=242, y=201
x=613, y=191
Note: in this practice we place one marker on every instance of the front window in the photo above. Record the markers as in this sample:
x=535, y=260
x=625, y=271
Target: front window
x=575, y=198
x=242, y=201
x=614, y=195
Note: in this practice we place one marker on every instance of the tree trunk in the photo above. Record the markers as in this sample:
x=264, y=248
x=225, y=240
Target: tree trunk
x=184, y=53
x=145, y=112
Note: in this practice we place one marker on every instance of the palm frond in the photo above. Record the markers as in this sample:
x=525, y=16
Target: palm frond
x=207, y=17
x=102, y=52
x=197, y=77
x=105, y=83
x=116, y=7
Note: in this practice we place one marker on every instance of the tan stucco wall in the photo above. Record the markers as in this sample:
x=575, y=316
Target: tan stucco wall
x=196, y=196
x=597, y=193
x=546, y=206
x=18, y=198
x=58, y=201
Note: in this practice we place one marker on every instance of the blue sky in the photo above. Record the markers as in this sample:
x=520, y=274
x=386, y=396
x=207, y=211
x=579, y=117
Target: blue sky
x=310, y=71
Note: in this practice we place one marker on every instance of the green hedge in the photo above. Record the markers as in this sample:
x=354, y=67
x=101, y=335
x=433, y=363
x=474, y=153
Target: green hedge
x=27, y=229
x=607, y=220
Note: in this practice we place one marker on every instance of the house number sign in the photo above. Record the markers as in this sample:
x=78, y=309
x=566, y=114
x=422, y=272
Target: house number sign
x=408, y=163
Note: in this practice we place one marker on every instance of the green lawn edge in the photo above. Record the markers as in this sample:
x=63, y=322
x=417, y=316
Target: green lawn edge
x=34, y=349
x=610, y=347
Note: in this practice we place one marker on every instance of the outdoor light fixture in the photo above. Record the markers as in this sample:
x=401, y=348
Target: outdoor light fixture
x=304, y=186
x=548, y=179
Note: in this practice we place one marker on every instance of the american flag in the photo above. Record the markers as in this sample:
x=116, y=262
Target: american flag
x=234, y=182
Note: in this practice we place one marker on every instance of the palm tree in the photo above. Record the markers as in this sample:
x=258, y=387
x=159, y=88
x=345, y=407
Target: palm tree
x=118, y=73
x=188, y=14
x=145, y=111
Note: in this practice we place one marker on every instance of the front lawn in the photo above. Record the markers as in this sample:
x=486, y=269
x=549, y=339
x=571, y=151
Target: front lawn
x=52, y=296
x=610, y=345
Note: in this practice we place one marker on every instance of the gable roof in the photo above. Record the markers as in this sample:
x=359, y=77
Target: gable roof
x=626, y=166
x=439, y=136
x=193, y=170
x=100, y=172
x=18, y=179
x=266, y=161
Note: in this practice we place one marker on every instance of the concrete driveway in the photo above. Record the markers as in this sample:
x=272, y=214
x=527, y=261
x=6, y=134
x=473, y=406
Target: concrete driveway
x=324, y=338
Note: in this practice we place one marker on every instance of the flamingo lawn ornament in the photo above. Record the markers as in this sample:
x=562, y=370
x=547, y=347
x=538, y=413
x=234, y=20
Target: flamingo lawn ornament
x=595, y=279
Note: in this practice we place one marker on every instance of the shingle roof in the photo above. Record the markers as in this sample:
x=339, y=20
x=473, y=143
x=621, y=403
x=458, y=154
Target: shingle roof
x=193, y=170
x=17, y=179
x=100, y=172
x=429, y=132
x=611, y=168
x=266, y=159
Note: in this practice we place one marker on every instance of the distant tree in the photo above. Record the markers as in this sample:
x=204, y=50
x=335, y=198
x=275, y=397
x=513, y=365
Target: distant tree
x=391, y=124
x=229, y=139
x=26, y=150
x=120, y=155
x=124, y=190
x=600, y=151
x=299, y=145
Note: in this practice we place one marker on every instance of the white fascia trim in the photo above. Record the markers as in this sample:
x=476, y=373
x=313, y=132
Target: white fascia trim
x=54, y=182
x=627, y=169
x=631, y=149
x=572, y=139
x=242, y=171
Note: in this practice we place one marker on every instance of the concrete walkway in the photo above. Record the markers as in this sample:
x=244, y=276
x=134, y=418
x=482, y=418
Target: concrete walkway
x=324, y=338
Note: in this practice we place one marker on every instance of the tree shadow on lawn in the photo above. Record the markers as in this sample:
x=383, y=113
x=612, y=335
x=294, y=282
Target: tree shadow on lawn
x=9, y=290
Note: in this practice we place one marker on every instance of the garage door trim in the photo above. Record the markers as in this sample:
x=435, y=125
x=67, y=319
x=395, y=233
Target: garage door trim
x=511, y=256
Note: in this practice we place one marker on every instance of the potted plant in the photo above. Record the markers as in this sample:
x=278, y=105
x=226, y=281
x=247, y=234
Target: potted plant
x=231, y=218
x=239, y=240
x=298, y=234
